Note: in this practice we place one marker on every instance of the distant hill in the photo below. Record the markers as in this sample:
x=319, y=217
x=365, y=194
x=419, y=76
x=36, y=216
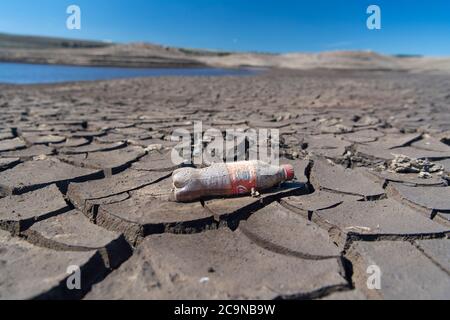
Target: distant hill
x=45, y=50
x=34, y=42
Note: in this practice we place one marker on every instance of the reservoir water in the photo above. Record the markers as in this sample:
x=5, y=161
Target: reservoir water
x=21, y=73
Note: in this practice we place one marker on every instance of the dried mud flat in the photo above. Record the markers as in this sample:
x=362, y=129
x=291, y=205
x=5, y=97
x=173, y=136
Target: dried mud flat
x=79, y=185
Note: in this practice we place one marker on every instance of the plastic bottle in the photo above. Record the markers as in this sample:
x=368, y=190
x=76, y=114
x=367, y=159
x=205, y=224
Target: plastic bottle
x=228, y=179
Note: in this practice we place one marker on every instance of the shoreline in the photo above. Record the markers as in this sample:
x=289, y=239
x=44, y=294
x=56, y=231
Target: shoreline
x=27, y=73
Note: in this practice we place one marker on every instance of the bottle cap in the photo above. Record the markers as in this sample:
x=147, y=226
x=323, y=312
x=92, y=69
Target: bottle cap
x=288, y=171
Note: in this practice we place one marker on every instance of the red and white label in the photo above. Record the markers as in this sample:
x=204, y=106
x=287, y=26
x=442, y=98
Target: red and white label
x=242, y=177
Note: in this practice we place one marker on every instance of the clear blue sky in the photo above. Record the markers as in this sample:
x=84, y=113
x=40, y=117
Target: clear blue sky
x=408, y=26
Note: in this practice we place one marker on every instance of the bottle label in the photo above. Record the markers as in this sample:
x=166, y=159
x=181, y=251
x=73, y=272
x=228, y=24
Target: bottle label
x=242, y=176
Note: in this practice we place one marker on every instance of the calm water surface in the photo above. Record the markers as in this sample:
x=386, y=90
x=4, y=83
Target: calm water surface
x=21, y=73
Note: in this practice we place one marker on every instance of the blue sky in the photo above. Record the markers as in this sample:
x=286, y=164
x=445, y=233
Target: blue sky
x=408, y=26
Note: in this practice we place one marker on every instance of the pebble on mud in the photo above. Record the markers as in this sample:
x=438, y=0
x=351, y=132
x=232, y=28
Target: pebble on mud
x=423, y=167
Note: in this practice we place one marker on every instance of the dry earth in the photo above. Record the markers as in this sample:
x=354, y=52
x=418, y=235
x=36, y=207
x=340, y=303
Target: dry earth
x=79, y=185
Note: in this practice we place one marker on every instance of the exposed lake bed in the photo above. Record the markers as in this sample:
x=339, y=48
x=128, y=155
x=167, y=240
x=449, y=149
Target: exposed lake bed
x=85, y=167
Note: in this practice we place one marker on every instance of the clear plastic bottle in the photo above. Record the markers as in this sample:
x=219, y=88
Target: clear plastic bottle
x=228, y=179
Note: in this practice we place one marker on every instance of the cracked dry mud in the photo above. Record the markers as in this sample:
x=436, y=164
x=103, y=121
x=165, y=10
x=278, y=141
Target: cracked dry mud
x=85, y=180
